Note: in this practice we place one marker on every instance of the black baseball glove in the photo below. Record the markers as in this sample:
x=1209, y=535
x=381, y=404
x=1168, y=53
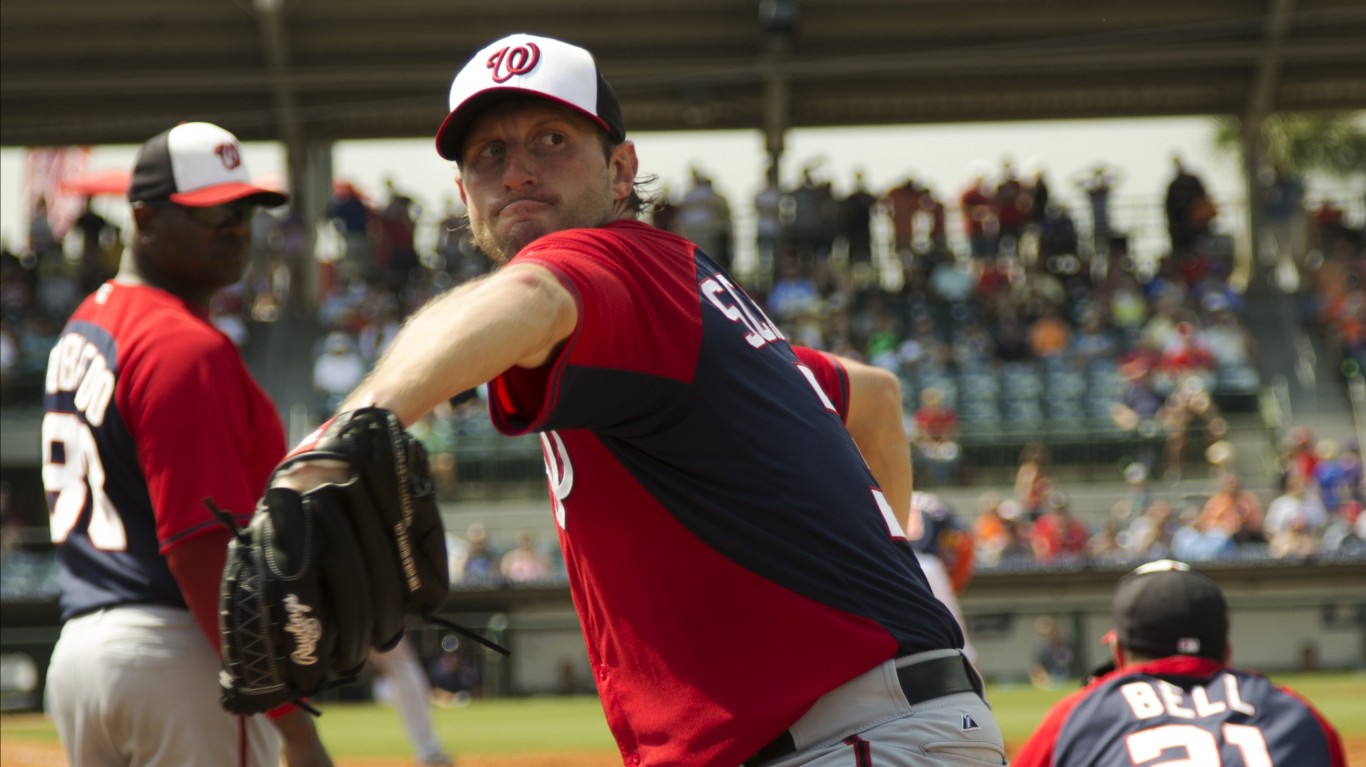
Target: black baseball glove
x=319, y=577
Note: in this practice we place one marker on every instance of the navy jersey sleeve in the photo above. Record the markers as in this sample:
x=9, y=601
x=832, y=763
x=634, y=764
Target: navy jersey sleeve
x=830, y=375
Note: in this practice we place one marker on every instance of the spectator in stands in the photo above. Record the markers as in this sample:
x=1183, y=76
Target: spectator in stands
x=435, y=432
x=1233, y=510
x=1189, y=209
x=395, y=240
x=525, y=562
x=1150, y=535
x=1345, y=534
x=856, y=216
x=454, y=680
x=768, y=226
x=1227, y=341
x=1286, y=219
x=935, y=442
x=1197, y=540
x=1104, y=546
x=336, y=371
x=1189, y=402
x=1052, y=663
x=793, y=292
x=979, y=214
x=990, y=534
x=91, y=227
x=1128, y=308
x=1186, y=355
x=1032, y=483
x=380, y=317
x=1094, y=339
x=348, y=212
x=704, y=218
x=1098, y=184
x=1336, y=476
x=1299, y=454
x=481, y=562
x=1050, y=336
x=42, y=241
x=1057, y=535
x=1011, y=208
x=1295, y=520
x=902, y=204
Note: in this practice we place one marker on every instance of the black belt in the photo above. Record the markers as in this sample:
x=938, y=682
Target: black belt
x=920, y=682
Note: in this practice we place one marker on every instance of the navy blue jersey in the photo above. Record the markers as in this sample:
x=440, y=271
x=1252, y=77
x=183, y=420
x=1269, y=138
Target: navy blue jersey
x=1183, y=710
x=707, y=491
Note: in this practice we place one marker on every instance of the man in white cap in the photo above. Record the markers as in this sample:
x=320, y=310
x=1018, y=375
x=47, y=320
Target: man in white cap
x=746, y=589
x=149, y=410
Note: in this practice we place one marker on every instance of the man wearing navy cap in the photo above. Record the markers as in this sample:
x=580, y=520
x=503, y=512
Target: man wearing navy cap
x=1171, y=698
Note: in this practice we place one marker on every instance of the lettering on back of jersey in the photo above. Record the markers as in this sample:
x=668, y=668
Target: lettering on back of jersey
x=77, y=365
x=738, y=308
x=1151, y=699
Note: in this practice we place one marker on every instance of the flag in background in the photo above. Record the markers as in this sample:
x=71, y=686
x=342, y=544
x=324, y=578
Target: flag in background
x=48, y=167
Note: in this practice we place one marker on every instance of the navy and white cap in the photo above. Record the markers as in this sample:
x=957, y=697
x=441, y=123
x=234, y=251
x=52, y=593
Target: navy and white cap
x=198, y=165
x=528, y=65
x=1165, y=608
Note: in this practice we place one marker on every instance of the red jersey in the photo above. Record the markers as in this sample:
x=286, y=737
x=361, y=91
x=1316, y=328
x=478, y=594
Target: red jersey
x=150, y=409
x=729, y=553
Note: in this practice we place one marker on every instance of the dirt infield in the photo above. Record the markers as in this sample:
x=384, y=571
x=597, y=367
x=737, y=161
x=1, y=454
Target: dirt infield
x=20, y=754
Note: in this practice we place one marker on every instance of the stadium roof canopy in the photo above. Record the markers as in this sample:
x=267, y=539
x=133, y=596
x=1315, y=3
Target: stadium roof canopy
x=98, y=72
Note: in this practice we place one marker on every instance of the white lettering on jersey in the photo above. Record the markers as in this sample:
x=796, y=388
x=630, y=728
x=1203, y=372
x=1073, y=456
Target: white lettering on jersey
x=1148, y=700
x=73, y=474
x=888, y=516
x=76, y=365
x=738, y=309
x=1142, y=699
x=559, y=471
x=811, y=379
x=1174, y=697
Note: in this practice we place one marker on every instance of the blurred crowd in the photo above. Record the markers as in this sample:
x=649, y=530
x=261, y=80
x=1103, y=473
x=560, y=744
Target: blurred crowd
x=1001, y=310
x=1314, y=509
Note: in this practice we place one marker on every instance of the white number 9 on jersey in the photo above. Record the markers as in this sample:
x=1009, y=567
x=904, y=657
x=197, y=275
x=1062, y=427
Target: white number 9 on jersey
x=73, y=475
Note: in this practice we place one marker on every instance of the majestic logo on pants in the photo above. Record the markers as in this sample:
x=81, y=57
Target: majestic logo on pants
x=307, y=631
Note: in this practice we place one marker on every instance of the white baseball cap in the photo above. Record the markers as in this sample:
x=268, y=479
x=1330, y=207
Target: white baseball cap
x=528, y=65
x=196, y=164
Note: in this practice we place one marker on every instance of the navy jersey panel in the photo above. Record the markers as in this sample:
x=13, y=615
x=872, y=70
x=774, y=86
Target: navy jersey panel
x=94, y=576
x=759, y=536
x=1190, y=708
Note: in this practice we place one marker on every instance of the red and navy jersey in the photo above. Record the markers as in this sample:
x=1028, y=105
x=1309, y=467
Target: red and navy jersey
x=1184, y=710
x=729, y=553
x=149, y=409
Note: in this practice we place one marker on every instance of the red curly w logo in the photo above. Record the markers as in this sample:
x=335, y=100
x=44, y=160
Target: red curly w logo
x=509, y=62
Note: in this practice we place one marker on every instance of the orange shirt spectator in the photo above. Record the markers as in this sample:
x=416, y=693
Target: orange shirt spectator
x=1233, y=510
x=1050, y=336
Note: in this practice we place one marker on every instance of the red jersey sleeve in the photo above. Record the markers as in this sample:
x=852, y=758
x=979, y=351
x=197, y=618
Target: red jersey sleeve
x=1337, y=754
x=634, y=316
x=830, y=375
x=1038, y=750
x=199, y=432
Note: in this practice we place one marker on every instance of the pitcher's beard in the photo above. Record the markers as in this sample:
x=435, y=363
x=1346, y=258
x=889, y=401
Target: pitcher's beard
x=501, y=249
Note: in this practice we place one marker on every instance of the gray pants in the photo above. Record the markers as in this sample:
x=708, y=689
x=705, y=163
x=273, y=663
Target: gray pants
x=138, y=685
x=867, y=721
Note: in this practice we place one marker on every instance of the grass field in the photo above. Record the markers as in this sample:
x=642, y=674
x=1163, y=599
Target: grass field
x=549, y=732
